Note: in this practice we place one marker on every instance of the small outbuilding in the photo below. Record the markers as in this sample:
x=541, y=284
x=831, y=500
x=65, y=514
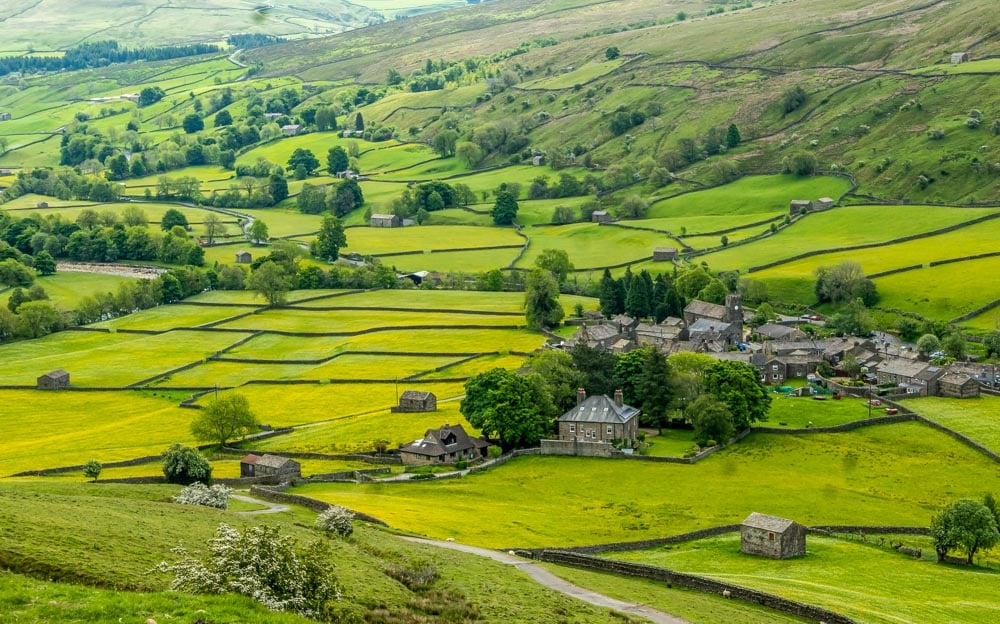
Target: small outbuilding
x=959, y=57
x=55, y=380
x=958, y=386
x=798, y=205
x=243, y=257
x=416, y=401
x=770, y=536
x=600, y=216
x=823, y=203
x=664, y=254
x=269, y=465
x=538, y=161
x=42, y=204
x=385, y=221
x=291, y=129
x=4, y=116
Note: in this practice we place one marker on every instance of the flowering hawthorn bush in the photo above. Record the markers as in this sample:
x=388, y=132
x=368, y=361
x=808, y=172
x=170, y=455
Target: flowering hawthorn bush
x=200, y=494
x=261, y=564
x=336, y=519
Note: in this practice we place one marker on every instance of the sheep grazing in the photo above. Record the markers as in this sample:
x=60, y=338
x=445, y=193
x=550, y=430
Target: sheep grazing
x=726, y=593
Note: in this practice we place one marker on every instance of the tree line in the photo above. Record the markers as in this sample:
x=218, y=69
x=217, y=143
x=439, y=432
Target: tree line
x=98, y=54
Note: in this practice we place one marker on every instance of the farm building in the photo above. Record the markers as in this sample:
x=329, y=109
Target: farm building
x=348, y=174
x=600, y=216
x=448, y=444
x=53, y=381
x=538, y=161
x=798, y=205
x=4, y=116
x=131, y=97
x=959, y=57
x=661, y=254
x=42, y=205
x=416, y=401
x=272, y=116
x=243, y=257
x=599, y=419
x=774, y=331
x=291, y=129
x=823, y=203
x=386, y=221
x=769, y=536
x=268, y=465
x=958, y=386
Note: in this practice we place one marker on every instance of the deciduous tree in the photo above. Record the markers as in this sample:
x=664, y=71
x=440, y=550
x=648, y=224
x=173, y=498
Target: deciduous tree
x=223, y=419
x=541, y=300
x=514, y=409
x=271, y=281
x=966, y=524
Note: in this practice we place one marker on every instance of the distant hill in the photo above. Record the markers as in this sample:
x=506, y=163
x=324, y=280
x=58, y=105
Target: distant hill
x=52, y=25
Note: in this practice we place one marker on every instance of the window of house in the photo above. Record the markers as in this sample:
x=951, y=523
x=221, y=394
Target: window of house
x=770, y=537
x=609, y=429
x=774, y=376
x=572, y=428
x=774, y=367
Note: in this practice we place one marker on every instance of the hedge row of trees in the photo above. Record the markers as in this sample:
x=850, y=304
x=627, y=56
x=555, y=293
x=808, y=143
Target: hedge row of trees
x=98, y=54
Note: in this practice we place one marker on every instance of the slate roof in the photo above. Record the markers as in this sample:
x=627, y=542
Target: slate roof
x=600, y=409
x=270, y=461
x=708, y=325
x=436, y=442
x=767, y=523
x=57, y=374
x=777, y=332
x=415, y=395
x=706, y=309
x=959, y=379
x=903, y=368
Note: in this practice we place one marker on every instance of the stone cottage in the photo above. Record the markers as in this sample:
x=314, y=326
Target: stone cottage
x=664, y=254
x=54, y=381
x=416, y=401
x=269, y=465
x=385, y=220
x=600, y=216
x=448, y=444
x=770, y=536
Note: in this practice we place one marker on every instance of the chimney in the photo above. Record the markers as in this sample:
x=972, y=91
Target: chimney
x=619, y=401
x=581, y=394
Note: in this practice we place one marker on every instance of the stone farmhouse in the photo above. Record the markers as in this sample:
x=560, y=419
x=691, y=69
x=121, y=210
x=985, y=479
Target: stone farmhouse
x=447, y=444
x=291, y=130
x=54, y=380
x=912, y=376
x=416, y=401
x=773, y=537
x=600, y=419
x=269, y=465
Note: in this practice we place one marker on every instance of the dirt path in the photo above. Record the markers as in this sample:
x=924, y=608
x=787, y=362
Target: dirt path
x=546, y=578
x=271, y=507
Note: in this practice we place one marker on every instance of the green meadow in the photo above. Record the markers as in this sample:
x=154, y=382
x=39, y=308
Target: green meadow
x=369, y=240
x=845, y=478
x=591, y=245
x=975, y=418
x=750, y=195
x=842, y=575
x=359, y=320
x=65, y=288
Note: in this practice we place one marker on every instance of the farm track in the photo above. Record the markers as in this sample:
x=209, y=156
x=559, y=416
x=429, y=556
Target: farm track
x=553, y=582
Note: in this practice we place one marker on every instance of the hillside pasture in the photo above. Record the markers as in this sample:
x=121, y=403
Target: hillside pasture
x=52, y=429
x=942, y=292
x=65, y=289
x=590, y=245
x=842, y=575
x=844, y=478
x=470, y=341
x=171, y=316
x=109, y=360
x=373, y=240
x=471, y=261
x=441, y=299
x=576, y=76
x=476, y=366
x=313, y=322
x=767, y=194
x=843, y=227
x=282, y=405
x=975, y=418
x=354, y=433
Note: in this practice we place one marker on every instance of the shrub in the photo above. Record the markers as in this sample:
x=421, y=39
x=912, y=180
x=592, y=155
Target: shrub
x=185, y=465
x=421, y=575
x=216, y=496
x=337, y=520
x=461, y=464
x=935, y=134
x=92, y=469
x=493, y=451
x=261, y=564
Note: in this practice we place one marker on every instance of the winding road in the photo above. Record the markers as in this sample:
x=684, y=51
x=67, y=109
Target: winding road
x=546, y=578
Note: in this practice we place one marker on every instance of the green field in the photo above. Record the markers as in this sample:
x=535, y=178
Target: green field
x=750, y=195
x=425, y=238
x=975, y=418
x=943, y=292
x=591, y=245
x=818, y=478
x=862, y=581
x=66, y=288
x=358, y=320
x=170, y=316
x=798, y=412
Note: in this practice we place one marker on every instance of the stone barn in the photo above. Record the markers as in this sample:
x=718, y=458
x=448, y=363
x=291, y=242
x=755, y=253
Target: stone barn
x=42, y=205
x=538, y=161
x=770, y=536
x=385, y=220
x=416, y=401
x=269, y=465
x=798, y=205
x=663, y=254
x=823, y=203
x=291, y=130
x=4, y=116
x=958, y=386
x=600, y=216
x=243, y=257
x=54, y=381
x=959, y=57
